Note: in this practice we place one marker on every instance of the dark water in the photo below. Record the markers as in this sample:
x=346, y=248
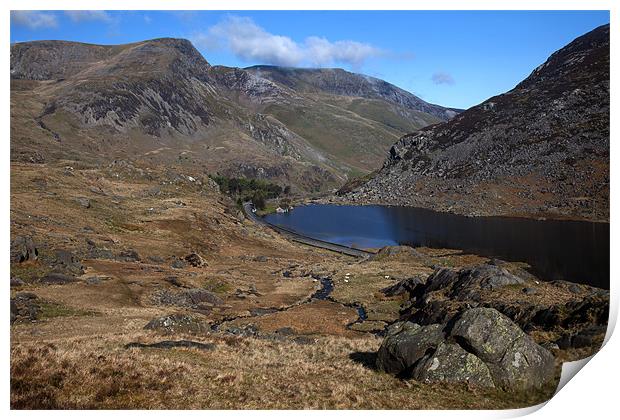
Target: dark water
x=556, y=249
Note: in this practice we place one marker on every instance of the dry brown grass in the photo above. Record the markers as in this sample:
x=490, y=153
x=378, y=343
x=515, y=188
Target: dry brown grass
x=77, y=360
x=335, y=373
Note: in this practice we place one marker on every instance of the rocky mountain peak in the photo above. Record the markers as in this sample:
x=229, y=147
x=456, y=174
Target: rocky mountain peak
x=539, y=149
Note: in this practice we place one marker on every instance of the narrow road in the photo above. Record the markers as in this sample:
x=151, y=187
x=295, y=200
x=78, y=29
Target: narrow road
x=294, y=236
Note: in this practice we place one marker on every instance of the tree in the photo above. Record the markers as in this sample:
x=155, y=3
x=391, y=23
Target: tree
x=258, y=199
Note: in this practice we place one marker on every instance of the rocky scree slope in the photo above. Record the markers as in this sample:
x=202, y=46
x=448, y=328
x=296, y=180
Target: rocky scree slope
x=541, y=149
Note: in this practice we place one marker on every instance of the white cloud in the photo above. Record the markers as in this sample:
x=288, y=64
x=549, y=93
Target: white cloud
x=441, y=78
x=34, y=19
x=88, y=15
x=251, y=43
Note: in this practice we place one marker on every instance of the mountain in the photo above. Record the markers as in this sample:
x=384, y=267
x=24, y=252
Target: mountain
x=343, y=83
x=161, y=103
x=541, y=149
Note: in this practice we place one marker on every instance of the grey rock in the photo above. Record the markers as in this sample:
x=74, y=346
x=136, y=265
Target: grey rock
x=405, y=344
x=178, y=323
x=304, y=340
x=403, y=287
x=246, y=331
x=178, y=264
x=592, y=336
x=67, y=262
x=285, y=331
x=487, y=332
x=480, y=346
x=23, y=249
x=84, y=202
x=451, y=363
x=57, y=278
x=514, y=359
x=24, y=307
x=488, y=277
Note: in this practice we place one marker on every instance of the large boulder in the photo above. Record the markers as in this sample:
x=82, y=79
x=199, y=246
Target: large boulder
x=487, y=332
x=480, y=346
x=405, y=344
x=451, y=363
x=514, y=359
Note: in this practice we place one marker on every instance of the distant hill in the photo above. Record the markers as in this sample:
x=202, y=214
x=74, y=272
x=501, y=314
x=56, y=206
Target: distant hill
x=160, y=101
x=343, y=83
x=541, y=149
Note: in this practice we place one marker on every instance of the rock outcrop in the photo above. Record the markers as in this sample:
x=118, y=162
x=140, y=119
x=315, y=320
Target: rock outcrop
x=448, y=291
x=539, y=149
x=479, y=347
x=23, y=249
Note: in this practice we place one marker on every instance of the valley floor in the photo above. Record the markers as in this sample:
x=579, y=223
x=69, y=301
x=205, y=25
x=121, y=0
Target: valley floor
x=120, y=247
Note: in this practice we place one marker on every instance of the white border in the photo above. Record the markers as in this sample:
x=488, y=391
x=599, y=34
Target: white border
x=591, y=394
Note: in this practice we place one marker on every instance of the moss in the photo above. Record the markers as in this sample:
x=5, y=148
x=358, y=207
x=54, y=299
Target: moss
x=29, y=272
x=217, y=286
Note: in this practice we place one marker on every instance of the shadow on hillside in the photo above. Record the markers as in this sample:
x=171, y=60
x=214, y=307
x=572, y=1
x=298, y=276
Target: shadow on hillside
x=368, y=359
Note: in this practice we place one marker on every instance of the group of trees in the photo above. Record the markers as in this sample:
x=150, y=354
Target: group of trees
x=258, y=191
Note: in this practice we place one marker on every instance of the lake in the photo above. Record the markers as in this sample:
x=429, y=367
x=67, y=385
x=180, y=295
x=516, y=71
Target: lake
x=576, y=251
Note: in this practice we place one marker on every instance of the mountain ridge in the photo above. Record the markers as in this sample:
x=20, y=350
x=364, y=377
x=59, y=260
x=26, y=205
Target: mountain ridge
x=540, y=149
x=146, y=94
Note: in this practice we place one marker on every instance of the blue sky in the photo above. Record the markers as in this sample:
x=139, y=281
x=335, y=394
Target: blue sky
x=452, y=58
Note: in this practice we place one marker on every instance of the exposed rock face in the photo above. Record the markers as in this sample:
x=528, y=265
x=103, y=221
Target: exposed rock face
x=576, y=317
x=482, y=347
x=541, y=148
x=446, y=292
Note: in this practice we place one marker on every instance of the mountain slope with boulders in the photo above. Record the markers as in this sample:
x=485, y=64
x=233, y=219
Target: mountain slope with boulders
x=541, y=149
x=159, y=102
